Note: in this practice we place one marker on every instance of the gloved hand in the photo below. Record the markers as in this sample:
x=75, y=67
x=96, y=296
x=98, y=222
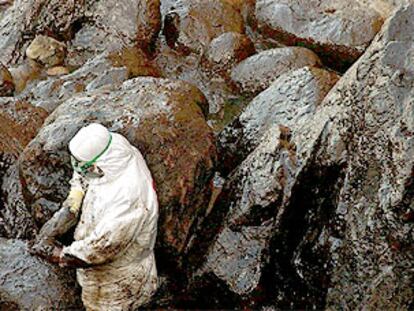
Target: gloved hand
x=74, y=200
x=69, y=261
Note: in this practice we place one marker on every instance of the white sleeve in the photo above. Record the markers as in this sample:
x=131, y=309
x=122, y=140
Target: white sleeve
x=112, y=234
x=76, y=182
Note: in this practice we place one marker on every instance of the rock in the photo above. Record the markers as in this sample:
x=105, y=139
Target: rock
x=162, y=118
x=47, y=51
x=257, y=72
x=26, y=73
x=188, y=28
x=369, y=117
x=338, y=31
x=20, y=122
x=291, y=98
x=226, y=51
x=102, y=34
x=257, y=194
x=26, y=19
x=6, y=82
x=351, y=239
x=149, y=24
x=188, y=68
x=57, y=71
x=107, y=70
x=27, y=283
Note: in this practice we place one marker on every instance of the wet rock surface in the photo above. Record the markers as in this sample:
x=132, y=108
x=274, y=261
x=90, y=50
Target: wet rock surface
x=339, y=31
x=27, y=283
x=290, y=100
x=313, y=208
x=20, y=122
x=188, y=28
x=257, y=72
x=371, y=243
x=163, y=119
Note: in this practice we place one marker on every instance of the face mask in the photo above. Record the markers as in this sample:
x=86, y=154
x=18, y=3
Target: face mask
x=89, y=169
x=86, y=169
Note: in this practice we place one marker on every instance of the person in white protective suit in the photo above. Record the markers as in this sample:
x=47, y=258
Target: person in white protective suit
x=115, y=236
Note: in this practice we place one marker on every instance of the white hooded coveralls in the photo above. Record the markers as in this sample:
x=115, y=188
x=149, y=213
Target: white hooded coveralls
x=117, y=231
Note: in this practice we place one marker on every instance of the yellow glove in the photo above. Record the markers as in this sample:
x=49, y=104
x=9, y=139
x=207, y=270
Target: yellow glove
x=74, y=200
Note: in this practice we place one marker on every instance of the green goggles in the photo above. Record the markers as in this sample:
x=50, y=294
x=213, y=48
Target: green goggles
x=82, y=166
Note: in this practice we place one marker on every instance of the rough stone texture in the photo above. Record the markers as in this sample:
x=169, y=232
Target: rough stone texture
x=47, y=51
x=188, y=68
x=257, y=72
x=163, y=119
x=149, y=24
x=291, y=97
x=95, y=73
x=27, y=18
x=27, y=283
x=257, y=194
x=226, y=51
x=112, y=25
x=6, y=82
x=19, y=123
x=369, y=115
x=190, y=25
x=339, y=31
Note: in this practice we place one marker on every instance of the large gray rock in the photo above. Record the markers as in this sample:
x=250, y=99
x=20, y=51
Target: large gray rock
x=289, y=100
x=373, y=255
x=363, y=241
x=112, y=25
x=259, y=71
x=258, y=193
x=28, y=283
x=340, y=31
x=163, y=119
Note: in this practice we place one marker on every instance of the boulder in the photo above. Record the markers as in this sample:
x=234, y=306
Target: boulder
x=338, y=31
x=25, y=19
x=187, y=26
x=160, y=117
x=46, y=51
x=104, y=71
x=255, y=196
x=104, y=34
x=6, y=82
x=291, y=99
x=259, y=71
x=370, y=116
x=20, y=122
x=226, y=51
x=28, y=283
x=353, y=243
x=187, y=68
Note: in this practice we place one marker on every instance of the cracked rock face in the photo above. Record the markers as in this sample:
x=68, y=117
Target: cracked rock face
x=28, y=283
x=291, y=98
x=373, y=261
x=163, y=119
x=339, y=31
x=259, y=71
